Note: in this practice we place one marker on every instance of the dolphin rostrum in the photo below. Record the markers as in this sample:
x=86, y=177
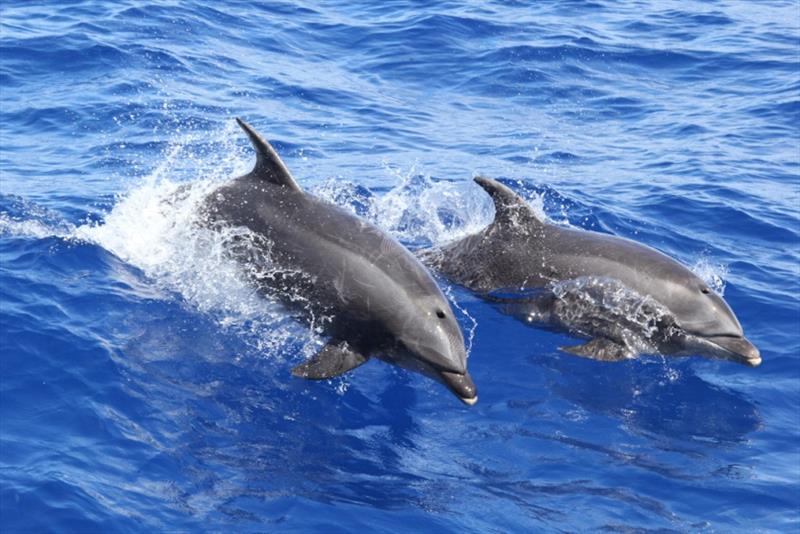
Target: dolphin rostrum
x=625, y=297
x=349, y=279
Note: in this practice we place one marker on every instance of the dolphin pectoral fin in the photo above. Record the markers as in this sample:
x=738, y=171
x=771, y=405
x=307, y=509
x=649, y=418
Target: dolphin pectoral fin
x=600, y=349
x=332, y=360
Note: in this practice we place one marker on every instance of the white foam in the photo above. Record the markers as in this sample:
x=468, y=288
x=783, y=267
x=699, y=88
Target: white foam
x=33, y=228
x=419, y=210
x=155, y=228
x=592, y=306
x=713, y=274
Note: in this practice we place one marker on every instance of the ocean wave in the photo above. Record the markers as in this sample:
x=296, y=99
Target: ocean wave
x=145, y=384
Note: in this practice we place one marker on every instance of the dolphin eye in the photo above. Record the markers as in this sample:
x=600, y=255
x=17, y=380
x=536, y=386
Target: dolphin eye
x=440, y=314
x=705, y=290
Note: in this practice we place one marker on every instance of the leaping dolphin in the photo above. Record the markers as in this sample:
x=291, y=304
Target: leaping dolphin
x=365, y=290
x=625, y=297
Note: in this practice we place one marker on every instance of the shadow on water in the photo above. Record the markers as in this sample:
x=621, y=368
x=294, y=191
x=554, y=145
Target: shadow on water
x=657, y=397
x=531, y=496
x=249, y=433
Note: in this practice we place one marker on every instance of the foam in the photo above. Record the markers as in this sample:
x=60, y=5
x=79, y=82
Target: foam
x=155, y=227
x=712, y=273
x=33, y=228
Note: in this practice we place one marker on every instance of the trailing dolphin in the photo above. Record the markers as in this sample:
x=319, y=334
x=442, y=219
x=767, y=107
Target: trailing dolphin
x=625, y=297
x=344, y=275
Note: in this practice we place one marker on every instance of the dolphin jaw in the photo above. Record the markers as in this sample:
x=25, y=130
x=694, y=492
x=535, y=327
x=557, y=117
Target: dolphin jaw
x=755, y=362
x=734, y=348
x=469, y=402
x=461, y=385
x=739, y=348
x=455, y=377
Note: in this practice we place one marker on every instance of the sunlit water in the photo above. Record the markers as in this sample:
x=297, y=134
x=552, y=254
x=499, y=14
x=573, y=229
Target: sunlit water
x=146, y=386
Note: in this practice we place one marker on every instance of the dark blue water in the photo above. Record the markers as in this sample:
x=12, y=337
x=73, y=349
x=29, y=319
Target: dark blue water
x=146, y=388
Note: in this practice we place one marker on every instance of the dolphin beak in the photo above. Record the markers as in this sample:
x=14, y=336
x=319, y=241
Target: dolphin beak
x=461, y=385
x=740, y=349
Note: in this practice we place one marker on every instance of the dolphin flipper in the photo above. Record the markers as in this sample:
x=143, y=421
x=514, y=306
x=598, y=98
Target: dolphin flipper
x=601, y=349
x=269, y=166
x=332, y=360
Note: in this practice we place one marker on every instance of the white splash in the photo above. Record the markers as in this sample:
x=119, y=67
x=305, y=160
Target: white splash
x=594, y=306
x=155, y=228
x=32, y=221
x=419, y=210
x=33, y=228
x=713, y=274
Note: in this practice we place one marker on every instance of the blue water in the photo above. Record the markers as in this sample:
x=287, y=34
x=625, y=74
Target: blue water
x=146, y=388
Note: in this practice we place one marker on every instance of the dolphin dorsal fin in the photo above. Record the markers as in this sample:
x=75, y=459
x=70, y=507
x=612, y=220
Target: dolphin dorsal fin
x=269, y=166
x=509, y=207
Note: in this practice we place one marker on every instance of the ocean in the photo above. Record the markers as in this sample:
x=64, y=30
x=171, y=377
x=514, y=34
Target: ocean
x=146, y=387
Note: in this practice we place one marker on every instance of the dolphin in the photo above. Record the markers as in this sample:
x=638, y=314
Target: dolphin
x=347, y=278
x=625, y=297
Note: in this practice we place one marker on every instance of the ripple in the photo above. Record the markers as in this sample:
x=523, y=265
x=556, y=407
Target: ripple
x=145, y=388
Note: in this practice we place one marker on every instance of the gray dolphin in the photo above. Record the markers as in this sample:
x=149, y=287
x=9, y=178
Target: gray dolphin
x=625, y=297
x=344, y=275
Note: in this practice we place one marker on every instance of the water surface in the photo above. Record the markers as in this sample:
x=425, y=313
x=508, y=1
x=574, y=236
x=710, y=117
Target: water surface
x=146, y=388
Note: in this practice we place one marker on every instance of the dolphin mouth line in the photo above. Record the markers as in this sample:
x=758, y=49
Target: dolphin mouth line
x=462, y=386
x=738, y=349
